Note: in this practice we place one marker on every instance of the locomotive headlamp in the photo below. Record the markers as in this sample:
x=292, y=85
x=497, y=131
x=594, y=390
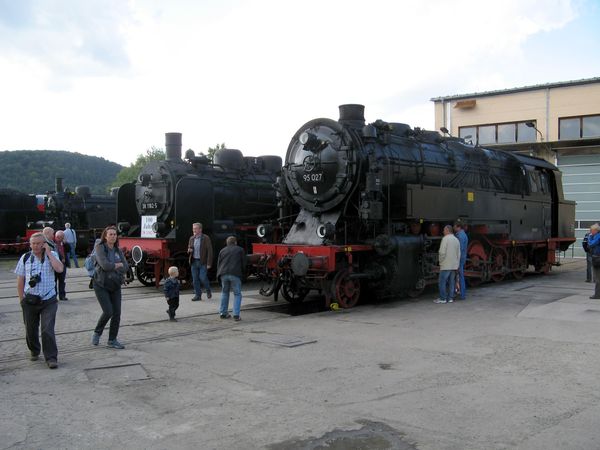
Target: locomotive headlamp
x=261, y=231
x=312, y=143
x=159, y=227
x=144, y=179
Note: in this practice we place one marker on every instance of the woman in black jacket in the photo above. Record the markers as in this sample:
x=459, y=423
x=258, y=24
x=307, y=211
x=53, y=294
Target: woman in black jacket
x=111, y=267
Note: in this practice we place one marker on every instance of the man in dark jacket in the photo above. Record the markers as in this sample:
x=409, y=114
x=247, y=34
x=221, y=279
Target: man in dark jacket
x=231, y=265
x=201, y=256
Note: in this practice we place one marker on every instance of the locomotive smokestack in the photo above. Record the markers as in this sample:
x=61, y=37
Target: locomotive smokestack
x=58, y=187
x=352, y=115
x=172, y=146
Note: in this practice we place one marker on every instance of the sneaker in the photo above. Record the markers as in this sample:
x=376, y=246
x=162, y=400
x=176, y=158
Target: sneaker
x=209, y=295
x=451, y=300
x=95, y=338
x=237, y=318
x=439, y=300
x=225, y=316
x=52, y=364
x=34, y=357
x=115, y=344
x=195, y=298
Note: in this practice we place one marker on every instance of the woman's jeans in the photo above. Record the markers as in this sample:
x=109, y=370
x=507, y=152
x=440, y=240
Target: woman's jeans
x=231, y=282
x=110, y=302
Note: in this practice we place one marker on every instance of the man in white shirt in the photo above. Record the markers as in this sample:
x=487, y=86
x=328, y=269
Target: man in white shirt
x=449, y=260
x=71, y=240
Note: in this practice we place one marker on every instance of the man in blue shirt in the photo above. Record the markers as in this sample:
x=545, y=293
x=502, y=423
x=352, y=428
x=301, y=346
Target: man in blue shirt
x=36, y=289
x=464, y=244
x=594, y=246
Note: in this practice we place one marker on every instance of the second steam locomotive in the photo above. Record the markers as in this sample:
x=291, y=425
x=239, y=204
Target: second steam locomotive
x=229, y=195
x=374, y=197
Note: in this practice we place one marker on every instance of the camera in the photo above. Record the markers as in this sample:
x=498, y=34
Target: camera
x=35, y=279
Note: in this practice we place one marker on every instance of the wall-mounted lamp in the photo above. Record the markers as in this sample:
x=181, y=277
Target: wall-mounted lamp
x=532, y=125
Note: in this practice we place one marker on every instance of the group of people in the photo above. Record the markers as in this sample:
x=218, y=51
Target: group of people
x=41, y=283
x=452, y=257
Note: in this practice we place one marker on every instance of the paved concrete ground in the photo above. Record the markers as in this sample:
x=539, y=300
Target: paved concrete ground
x=515, y=366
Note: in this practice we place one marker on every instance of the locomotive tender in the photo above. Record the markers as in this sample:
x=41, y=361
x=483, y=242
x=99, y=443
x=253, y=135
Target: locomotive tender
x=230, y=196
x=374, y=198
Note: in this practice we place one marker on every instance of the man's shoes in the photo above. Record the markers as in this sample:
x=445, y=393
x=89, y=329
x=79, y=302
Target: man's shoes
x=115, y=344
x=172, y=319
x=95, y=338
x=237, y=318
x=439, y=300
x=91, y=285
x=225, y=316
x=195, y=298
x=593, y=297
x=450, y=300
x=34, y=357
x=588, y=281
x=64, y=299
x=52, y=364
x=208, y=295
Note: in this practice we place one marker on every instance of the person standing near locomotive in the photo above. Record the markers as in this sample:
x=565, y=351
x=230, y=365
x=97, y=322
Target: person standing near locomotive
x=588, y=257
x=594, y=246
x=449, y=260
x=231, y=266
x=48, y=233
x=61, y=277
x=71, y=240
x=201, y=256
x=36, y=289
x=464, y=243
x=111, y=266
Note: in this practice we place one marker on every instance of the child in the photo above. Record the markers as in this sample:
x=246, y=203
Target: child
x=172, y=292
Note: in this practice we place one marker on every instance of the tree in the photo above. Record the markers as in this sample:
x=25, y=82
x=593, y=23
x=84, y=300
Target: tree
x=130, y=174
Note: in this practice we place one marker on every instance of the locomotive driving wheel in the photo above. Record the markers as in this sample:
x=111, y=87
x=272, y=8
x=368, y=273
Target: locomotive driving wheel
x=498, y=257
x=293, y=294
x=145, y=275
x=518, y=263
x=346, y=291
x=475, y=263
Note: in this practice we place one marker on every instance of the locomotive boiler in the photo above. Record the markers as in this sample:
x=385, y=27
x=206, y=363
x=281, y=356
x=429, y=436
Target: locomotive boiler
x=229, y=195
x=374, y=197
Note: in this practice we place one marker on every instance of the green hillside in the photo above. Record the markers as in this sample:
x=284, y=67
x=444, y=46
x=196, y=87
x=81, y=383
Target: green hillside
x=34, y=171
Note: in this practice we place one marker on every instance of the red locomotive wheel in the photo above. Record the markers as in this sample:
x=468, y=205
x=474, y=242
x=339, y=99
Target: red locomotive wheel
x=475, y=262
x=346, y=291
x=498, y=257
x=518, y=263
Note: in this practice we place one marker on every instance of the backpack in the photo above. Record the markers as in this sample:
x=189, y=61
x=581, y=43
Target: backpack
x=90, y=263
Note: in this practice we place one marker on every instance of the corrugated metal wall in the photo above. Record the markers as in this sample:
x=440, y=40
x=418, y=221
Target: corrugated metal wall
x=581, y=182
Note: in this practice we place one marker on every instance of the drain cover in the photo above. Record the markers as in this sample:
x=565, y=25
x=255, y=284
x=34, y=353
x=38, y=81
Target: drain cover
x=125, y=372
x=285, y=341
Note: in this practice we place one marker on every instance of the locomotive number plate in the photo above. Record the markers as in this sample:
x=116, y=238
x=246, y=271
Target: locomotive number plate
x=313, y=177
x=150, y=205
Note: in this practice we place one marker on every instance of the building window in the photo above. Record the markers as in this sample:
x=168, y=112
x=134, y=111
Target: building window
x=502, y=133
x=579, y=127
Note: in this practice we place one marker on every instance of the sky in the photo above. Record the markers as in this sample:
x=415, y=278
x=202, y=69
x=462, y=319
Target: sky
x=110, y=77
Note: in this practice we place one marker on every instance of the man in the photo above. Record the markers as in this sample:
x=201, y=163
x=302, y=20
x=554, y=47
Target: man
x=61, y=277
x=594, y=245
x=464, y=243
x=71, y=240
x=231, y=265
x=588, y=256
x=449, y=259
x=201, y=256
x=36, y=289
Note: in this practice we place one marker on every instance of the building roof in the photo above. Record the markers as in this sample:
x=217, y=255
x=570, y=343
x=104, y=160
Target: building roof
x=535, y=87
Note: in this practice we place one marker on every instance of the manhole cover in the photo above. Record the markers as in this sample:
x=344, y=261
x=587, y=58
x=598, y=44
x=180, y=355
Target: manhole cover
x=124, y=373
x=285, y=341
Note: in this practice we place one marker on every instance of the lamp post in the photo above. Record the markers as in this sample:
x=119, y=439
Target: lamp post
x=532, y=125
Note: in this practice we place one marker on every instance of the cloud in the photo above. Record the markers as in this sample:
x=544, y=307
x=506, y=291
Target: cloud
x=63, y=40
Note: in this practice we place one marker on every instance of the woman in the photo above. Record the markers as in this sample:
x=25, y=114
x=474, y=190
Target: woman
x=111, y=267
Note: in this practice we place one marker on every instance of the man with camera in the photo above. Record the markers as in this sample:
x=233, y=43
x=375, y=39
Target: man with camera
x=36, y=289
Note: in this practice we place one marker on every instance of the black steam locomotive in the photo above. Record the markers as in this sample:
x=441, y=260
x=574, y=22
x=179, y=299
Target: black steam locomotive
x=16, y=211
x=87, y=213
x=230, y=195
x=374, y=198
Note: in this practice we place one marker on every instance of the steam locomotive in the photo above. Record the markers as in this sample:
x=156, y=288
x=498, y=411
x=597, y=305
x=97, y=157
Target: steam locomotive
x=374, y=197
x=230, y=196
x=87, y=213
x=16, y=210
